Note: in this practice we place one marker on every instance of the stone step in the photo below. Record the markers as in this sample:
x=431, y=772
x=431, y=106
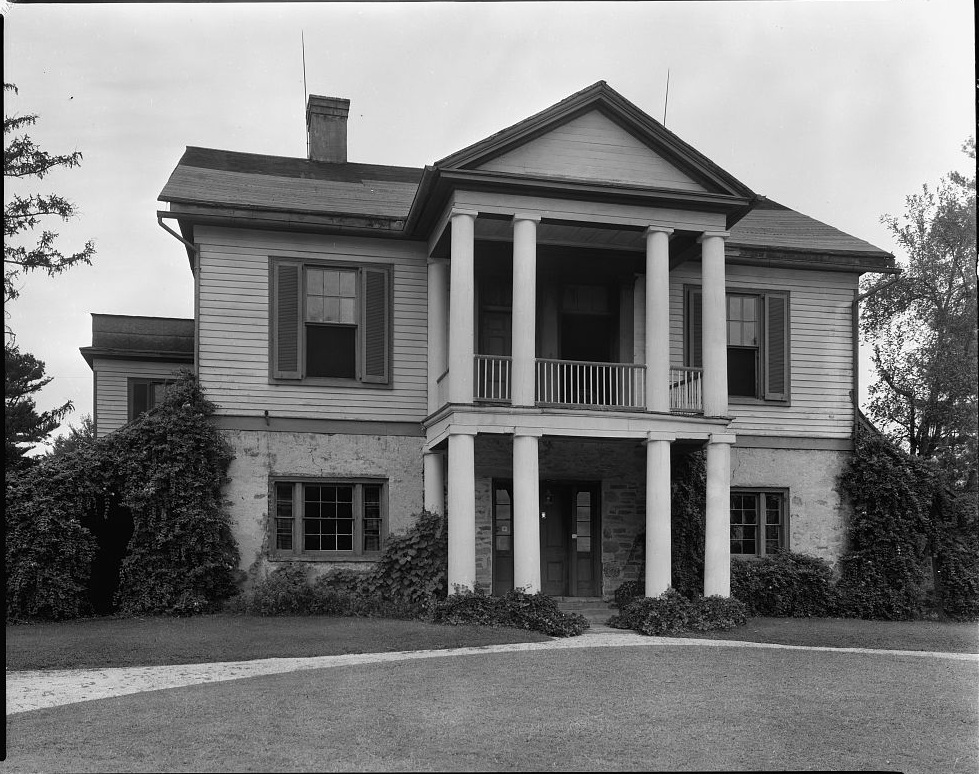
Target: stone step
x=594, y=610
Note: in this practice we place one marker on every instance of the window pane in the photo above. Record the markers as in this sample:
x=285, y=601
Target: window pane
x=348, y=284
x=315, y=311
x=348, y=311
x=328, y=522
x=283, y=517
x=331, y=309
x=774, y=523
x=372, y=518
x=140, y=399
x=331, y=351
x=314, y=282
x=744, y=520
x=749, y=309
x=742, y=372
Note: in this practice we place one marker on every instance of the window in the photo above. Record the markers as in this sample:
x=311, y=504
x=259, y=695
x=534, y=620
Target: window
x=325, y=518
x=330, y=321
x=757, y=342
x=758, y=523
x=144, y=395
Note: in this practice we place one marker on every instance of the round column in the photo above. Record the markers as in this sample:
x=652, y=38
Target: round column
x=714, y=323
x=526, y=512
x=438, y=327
x=658, y=318
x=717, y=530
x=434, y=472
x=524, y=308
x=659, y=547
x=462, y=290
x=462, y=510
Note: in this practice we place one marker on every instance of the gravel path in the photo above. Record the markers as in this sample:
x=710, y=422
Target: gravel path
x=28, y=691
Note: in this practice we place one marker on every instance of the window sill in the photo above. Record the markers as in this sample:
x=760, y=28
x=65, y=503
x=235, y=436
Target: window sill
x=741, y=400
x=333, y=382
x=324, y=556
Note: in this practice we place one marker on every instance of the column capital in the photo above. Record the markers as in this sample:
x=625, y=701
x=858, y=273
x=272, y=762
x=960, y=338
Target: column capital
x=524, y=215
x=728, y=438
x=654, y=435
x=527, y=432
x=471, y=431
x=654, y=229
x=462, y=211
x=709, y=234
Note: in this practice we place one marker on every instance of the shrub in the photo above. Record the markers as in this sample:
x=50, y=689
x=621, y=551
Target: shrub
x=414, y=567
x=673, y=613
x=518, y=609
x=784, y=584
x=627, y=592
x=285, y=591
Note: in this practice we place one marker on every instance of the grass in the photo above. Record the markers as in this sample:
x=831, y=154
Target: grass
x=122, y=642
x=617, y=708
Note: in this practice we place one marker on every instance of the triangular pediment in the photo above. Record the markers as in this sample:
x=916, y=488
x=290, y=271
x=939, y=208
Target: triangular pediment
x=593, y=147
x=597, y=136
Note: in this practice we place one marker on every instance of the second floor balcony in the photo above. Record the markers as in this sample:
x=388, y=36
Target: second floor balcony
x=581, y=384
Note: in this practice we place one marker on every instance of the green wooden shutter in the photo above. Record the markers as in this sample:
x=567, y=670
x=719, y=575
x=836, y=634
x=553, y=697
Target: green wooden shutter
x=375, y=338
x=286, y=320
x=695, y=328
x=776, y=347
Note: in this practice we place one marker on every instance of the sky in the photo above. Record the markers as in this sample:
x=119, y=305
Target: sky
x=836, y=109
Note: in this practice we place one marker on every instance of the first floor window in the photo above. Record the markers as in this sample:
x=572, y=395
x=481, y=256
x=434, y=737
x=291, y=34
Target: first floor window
x=758, y=523
x=145, y=395
x=328, y=517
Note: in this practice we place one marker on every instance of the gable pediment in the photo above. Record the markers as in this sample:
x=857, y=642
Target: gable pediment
x=595, y=148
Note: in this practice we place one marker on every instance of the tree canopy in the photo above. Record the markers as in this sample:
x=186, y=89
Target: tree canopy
x=22, y=158
x=923, y=327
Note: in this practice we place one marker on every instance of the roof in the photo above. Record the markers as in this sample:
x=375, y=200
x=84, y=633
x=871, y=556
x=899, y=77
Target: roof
x=141, y=338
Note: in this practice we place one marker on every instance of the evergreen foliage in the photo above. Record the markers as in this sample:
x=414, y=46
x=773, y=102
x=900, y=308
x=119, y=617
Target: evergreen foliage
x=784, y=584
x=673, y=613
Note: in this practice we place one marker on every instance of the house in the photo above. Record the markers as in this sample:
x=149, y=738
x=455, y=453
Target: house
x=521, y=335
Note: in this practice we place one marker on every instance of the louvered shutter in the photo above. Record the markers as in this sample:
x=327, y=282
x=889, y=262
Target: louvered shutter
x=776, y=347
x=286, y=318
x=375, y=340
x=695, y=328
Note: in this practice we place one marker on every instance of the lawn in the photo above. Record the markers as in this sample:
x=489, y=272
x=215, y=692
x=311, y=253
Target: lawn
x=123, y=642
x=648, y=707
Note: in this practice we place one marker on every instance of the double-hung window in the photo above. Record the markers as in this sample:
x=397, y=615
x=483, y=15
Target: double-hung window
x=757, y=342
x=759, y=522
x=330, y=321
x=327, y=518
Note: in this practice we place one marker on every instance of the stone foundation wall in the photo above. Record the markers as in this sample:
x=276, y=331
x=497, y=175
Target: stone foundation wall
x=260, y=455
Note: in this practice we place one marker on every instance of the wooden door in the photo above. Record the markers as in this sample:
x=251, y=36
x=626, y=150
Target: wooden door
x=555, y=539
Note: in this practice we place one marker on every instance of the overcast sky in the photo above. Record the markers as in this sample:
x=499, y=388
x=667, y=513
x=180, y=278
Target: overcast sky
x=837, y=109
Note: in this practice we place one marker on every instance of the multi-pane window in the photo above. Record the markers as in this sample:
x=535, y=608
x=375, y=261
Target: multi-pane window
x=758, y=523
x=313, y=517
x=145, y=395
x=757, y=342
x=330, y=321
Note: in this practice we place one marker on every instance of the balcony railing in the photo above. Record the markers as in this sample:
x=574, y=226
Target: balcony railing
x=579, y=383
x=686, y=390
x=492, y=377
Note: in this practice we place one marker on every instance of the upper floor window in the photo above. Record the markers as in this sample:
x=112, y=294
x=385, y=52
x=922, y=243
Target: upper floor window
x=757, y=342
x=144, y=395
x=330, y=321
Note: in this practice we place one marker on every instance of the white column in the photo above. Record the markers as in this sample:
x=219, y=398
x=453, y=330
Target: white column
x=461, y=289
x=717, y=531
x=438, y=326
x=659, y=548
x=658, y=319
x=434, y=472
x=524, y=308
x=714, y=323
x=526, y=511
x=462, y=510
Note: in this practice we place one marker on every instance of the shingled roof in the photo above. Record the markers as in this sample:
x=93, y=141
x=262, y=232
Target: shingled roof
x=129, y=337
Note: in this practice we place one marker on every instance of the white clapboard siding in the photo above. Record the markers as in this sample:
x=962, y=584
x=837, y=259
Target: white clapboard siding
x=112, y=387
x=821, y=339
x=593, y=147
x=233, y=344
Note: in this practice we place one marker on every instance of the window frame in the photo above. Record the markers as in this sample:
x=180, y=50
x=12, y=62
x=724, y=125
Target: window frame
x=761, y=493
x=298, y=552
x=763, y=349
x=360, y=379
x=131, y=383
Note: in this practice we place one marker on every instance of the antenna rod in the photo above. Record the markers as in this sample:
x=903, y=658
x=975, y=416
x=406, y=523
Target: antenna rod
x=667, y=100
x=302, y=38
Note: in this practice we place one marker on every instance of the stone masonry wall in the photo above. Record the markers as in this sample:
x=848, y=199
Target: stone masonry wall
x=260, y=455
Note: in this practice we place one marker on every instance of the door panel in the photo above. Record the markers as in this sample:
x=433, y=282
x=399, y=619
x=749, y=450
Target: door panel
x=555, y=540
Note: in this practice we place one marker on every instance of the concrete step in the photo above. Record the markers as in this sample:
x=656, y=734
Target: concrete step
x=595, y=610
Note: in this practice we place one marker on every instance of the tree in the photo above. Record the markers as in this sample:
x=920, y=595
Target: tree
x=23, y=159
x=80, y=437
x=924, y=329
x=23, y=425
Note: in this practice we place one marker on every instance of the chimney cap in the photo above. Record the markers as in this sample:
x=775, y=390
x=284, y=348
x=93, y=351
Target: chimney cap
x=327, y=106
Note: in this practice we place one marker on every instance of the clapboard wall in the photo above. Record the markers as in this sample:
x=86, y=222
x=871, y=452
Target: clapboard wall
x=112, y=387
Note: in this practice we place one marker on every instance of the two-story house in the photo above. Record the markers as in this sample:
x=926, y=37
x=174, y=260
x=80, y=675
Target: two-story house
x=521, y=335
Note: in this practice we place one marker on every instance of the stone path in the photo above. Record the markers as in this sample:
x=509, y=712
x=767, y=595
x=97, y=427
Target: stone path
x=28, y=691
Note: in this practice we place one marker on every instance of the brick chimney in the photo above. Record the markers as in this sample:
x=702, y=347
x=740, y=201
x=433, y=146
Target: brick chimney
x=326, y=128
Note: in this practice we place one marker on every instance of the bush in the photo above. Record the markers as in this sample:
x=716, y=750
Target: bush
x=413, y=570
x=672, y=613
x=627, y=592
x=518, y=609
x=784, y=584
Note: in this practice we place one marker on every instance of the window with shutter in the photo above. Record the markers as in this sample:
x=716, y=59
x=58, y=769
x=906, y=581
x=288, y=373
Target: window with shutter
x=757, y=337
x=330, y=322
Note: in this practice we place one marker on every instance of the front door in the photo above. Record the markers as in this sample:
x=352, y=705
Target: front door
x=570, y=539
